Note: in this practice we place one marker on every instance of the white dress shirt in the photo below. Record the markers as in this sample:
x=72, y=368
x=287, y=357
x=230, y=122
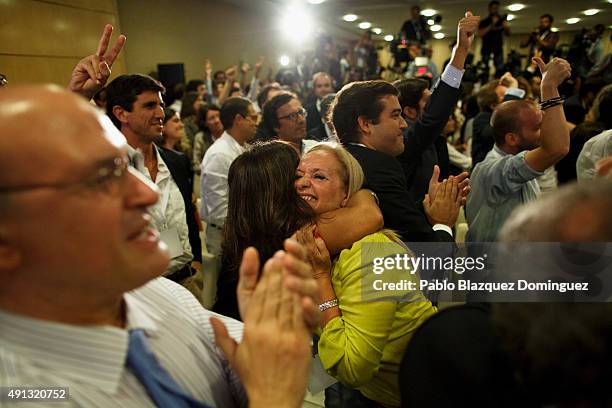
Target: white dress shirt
x=214, y=169
x=169, y=210
x=91, y=360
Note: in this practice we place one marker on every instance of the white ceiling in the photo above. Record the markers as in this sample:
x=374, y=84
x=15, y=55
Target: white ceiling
x=390, y=14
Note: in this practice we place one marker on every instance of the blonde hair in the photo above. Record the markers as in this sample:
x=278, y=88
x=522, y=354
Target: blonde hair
x=350, y=169
x=352, y=176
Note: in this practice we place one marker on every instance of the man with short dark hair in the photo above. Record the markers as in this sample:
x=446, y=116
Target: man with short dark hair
x=240, y=123
x=325, y=131
x=422, y=147
x=135, y=105
x=415, y=30
x=542, y=39
x=492, y=30
x=284, y=118
x=506, y=177
x=368, y=119
x=489, y=96
x=322, y=85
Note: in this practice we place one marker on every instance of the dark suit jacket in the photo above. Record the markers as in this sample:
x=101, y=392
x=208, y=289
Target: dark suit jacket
x=455, y=360
x=314, y=117
x=384, y=175
x=182, y=174
x=421, y=150
x=317, y=133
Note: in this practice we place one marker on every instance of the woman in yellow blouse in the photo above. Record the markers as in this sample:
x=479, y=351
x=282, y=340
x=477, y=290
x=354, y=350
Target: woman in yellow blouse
x=366, y=325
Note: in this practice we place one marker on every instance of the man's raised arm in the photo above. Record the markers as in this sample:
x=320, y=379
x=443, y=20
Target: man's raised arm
x=554, y=131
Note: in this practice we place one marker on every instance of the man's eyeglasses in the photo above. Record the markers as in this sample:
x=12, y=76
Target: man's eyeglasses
x=293, y=116
x=108, y=179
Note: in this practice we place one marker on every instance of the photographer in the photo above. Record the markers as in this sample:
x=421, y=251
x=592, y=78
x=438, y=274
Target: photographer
x=542, y=39
x=491, y=30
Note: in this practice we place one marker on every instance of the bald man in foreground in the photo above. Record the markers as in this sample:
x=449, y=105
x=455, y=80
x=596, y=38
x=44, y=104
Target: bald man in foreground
x=81, y=304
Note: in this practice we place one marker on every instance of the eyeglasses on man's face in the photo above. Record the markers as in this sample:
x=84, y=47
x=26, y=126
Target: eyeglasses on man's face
x=109, y=178
x=294, y=116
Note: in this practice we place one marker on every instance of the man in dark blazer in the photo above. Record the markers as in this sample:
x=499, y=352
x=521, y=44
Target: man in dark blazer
x=322, y=85
x=182, y=174
x=368, y=120
x=426, y=114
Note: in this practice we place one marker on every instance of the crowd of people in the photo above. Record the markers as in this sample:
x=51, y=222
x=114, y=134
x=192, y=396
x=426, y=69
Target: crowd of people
x=296, y=188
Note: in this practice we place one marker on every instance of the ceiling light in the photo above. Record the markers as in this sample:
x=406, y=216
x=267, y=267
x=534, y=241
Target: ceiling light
x=428, y=12
x=436, y=27
x=510, y=17
x=349, y=17
x=284, y=60
x=439, y=36
x=377, y=31
x=364, y=25
x=554, y=29
x=431, y=22
x=516, y=7
x=388, y=37
x=572, y=20
x=591, y=12
x=316, y=1
x=296, y=24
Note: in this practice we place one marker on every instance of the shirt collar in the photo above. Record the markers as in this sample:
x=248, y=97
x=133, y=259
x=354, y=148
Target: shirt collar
x=163, y=171
x=233, y=143
x=94, y=355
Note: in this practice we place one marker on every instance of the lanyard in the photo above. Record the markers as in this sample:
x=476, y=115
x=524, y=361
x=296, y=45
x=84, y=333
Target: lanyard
x=165, y=198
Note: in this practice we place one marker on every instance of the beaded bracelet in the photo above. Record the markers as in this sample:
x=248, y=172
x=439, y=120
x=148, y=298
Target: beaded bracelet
x=551, y=102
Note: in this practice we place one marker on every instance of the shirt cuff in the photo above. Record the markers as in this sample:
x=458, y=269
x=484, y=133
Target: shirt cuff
x=518, y=92
x=452, y=76
x=442, y=227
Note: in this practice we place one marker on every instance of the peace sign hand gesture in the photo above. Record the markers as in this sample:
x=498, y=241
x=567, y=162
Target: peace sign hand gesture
x=92, y=72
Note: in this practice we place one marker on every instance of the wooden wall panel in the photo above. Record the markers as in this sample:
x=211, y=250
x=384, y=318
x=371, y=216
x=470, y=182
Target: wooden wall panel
x=31, y=69
x=41, y=41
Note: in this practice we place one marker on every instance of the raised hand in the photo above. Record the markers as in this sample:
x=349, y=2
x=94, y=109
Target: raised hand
x=466, y=30
x=208, y=69
x=553, y=73
x=508, y=80
x=230, y=73
x=91, y=73
x=246, y=67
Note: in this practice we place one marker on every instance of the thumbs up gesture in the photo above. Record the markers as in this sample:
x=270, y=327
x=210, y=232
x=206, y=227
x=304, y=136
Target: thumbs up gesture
x=553, y=73
x=466, y=30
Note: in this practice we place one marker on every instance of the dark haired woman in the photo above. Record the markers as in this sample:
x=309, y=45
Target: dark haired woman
x=264, y=209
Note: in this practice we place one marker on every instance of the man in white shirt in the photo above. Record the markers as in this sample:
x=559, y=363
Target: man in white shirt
x=240, y=122
x=136, y=107
x=78, y=264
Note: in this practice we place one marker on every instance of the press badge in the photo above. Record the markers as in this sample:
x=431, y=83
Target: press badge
x=170, y=237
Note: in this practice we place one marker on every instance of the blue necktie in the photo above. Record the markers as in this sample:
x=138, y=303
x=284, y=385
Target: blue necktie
x=160, y=386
